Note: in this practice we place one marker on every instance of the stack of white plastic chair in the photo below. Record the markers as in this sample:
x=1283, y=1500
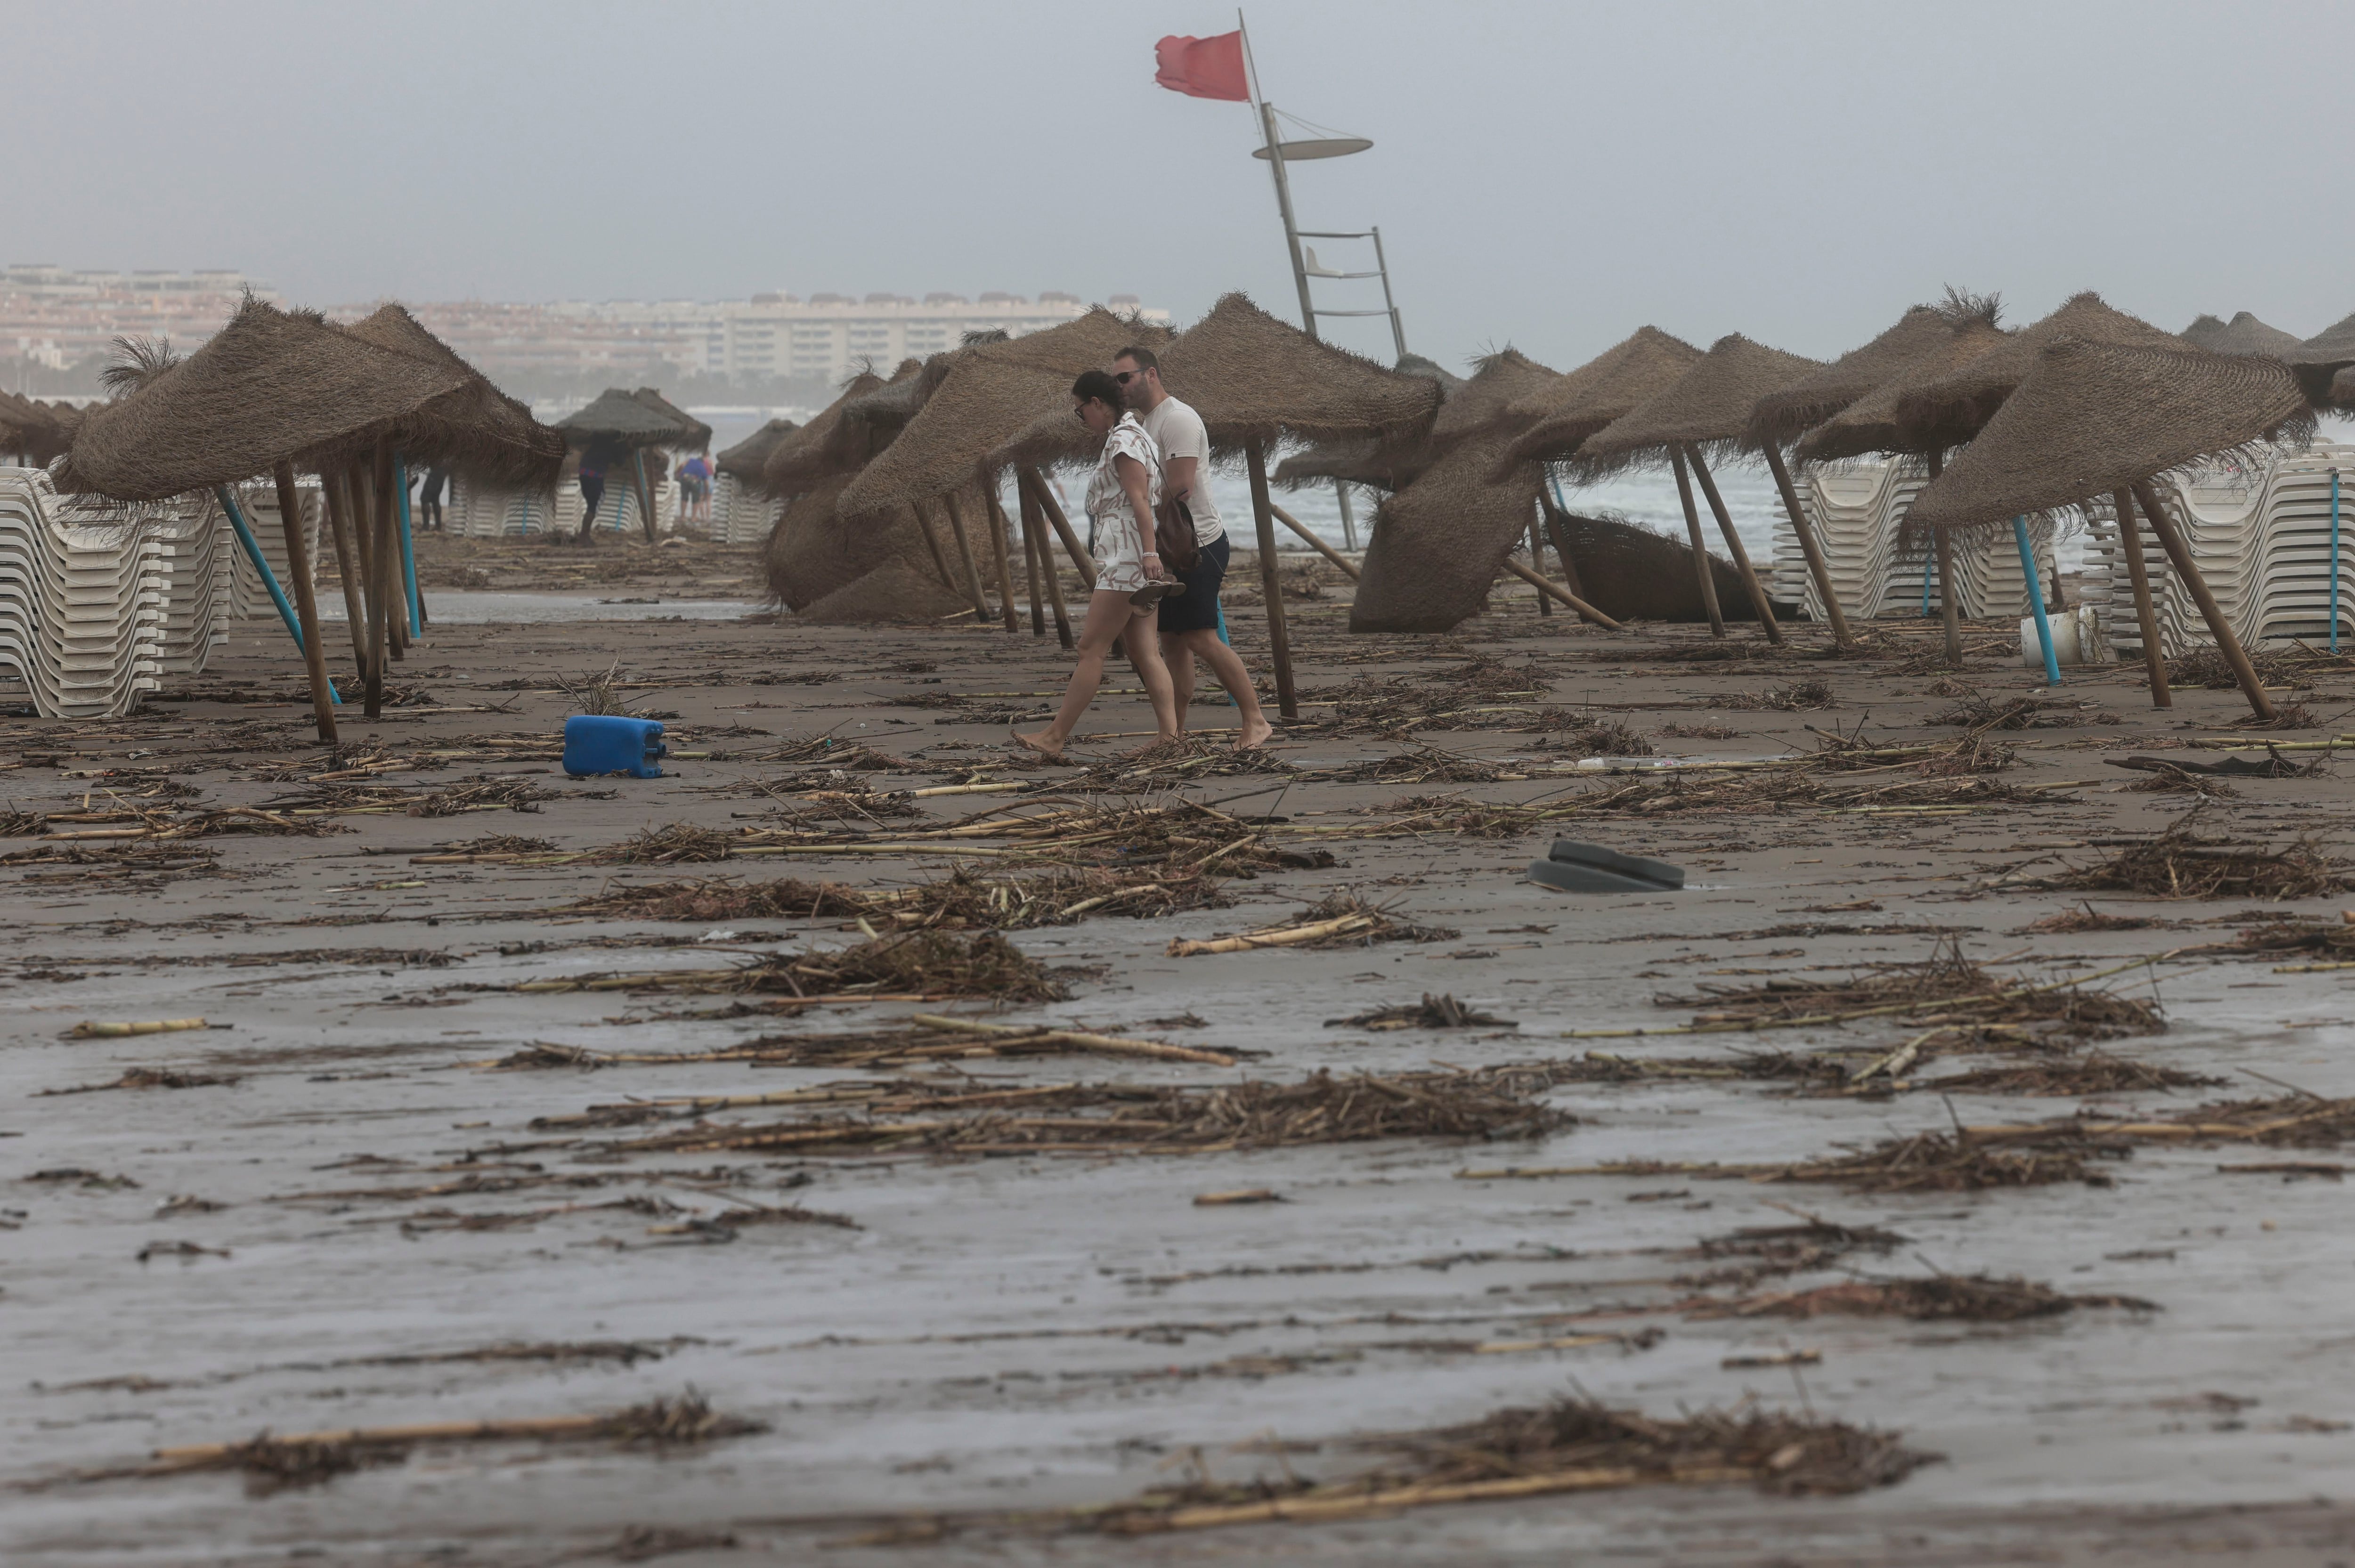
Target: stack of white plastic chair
x=740, y=514
x=2261, y=537
x=1857, y=509
x=81, y=606
x=190, y=554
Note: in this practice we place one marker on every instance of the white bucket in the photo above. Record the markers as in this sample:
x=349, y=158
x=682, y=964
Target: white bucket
x=2077, y=639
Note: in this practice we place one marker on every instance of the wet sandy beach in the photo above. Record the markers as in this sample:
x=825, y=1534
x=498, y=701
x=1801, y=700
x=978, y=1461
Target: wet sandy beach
x=346, y=1217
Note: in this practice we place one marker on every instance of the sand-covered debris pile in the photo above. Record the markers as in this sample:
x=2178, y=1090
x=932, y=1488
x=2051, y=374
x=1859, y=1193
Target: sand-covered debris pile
x=912, y=963
x=2180, y=864
x=1339, y=919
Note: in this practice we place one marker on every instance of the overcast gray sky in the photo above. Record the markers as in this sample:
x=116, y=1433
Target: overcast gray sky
x=1546, y=174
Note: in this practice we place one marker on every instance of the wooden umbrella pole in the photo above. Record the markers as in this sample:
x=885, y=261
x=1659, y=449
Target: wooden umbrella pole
x=1759, y=603
x=998, y=549
x=363, y=494
x=2154, y=655
x=348, y=565
x=1700, y=555
x=1279, y=639
x=645, y=492
x=964, y=554
x=1034, y=528
x=306, y=603
x=2186, y=571
x=1550, y=590
x=1537, y=565
x=1950, y=613
x=394, y=609
x=1557, y=528
x=1030, y=567
x=933, y=544
x=1319, y=546
x=1811, y=547
x=1062, y=527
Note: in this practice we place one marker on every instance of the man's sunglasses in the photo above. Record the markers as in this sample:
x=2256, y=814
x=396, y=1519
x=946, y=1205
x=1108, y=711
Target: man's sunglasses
x=1124, y=378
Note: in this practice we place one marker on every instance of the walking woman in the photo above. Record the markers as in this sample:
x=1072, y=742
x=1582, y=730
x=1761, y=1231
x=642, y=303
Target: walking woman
x=1122, y=493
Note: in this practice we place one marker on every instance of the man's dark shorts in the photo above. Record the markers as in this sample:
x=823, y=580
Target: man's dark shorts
x=1197, y=609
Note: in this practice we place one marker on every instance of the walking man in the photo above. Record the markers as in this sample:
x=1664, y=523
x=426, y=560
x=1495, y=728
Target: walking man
x=1189, y=622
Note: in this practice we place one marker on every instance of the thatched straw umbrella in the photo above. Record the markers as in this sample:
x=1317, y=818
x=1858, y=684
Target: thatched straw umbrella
x=35, y=430
x=633, y=421
x=1387, y=466
x=2318, y=360
x=806, y=457
x=1440, y=542
x=748, y=457
x=973, y=403
x=477, y=432
x=1783, y=416
x=2244, y=334
x=272, y=388
x=1710, y=405
x=1564, y=413
x=2090, y=418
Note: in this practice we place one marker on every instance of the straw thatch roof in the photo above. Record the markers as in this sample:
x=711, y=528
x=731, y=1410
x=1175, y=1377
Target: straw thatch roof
x=36, y=430
x=1708, y=406
x=1363, y=460
x=1565, y=413
x=1782, y=417
x=625, y=419
x=2092, y=418
x=2334, y=345
x=1951, y=409
x=1633, y=573
x=270, y=387
x=805, y=457
x=989, y=395
x=2342, y=389
x=1481, y=405
x=1256, y=379
x=899, y=591
x=1432, y=370
x=1870, y=423
x=478, y=430
x=1439, y=543
x=694, y=433
x=2244, y=334
x=745, y=459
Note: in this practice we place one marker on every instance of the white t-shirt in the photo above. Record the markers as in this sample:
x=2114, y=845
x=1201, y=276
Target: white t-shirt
x=1177, y=430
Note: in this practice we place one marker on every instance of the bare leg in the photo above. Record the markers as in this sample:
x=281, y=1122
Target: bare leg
x=1252, y=728
x=1108, y=612
x=1180, y=661
x=1145, y=653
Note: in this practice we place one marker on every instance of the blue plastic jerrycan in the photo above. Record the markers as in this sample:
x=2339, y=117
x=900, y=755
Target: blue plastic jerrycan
x=607, y=743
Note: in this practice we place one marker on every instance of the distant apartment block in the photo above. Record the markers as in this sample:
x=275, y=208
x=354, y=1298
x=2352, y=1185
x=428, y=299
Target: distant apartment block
x=57, y=317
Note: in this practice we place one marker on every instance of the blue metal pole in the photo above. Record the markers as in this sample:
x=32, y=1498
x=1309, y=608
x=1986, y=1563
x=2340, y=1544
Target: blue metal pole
x=2334, y=561
x=408, y=549
x=2036, y=597
x=1555, y=483
x=221, y=493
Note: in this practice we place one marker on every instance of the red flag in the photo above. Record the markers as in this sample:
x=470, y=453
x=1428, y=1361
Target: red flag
x=1203, y=67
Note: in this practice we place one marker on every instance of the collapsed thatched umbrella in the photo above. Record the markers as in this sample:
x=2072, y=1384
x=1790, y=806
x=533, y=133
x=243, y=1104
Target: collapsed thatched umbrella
x=270, y=390
x=2318, y=360
x=2244, y=334
x=1440, y=542
x=631, y=422
x=1709, y=405
x=1255, y=381
x=2091, y=418
x=1388, y=465
x=806, y=457
x=746, y=458
x=1783, y=416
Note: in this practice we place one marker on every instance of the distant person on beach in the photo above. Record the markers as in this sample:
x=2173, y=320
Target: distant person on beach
x=1120, y=497
x=429, y=497
x=594, y=460
x=1189, y=621
x=694, y=488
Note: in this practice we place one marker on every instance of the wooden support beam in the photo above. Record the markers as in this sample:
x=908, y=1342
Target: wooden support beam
x=1949, y=603
x=1278, y=637
x=1758, y=603
x=1319, y=546
x=1080, y=560
x=1034, y=534
x=1537, y=565
x=306, y=603
x=965, y=555
x=645, y=492
x=2186, y=571
x=1701, y=554
x=335, y=486
x=1550, y=590
x=997, y=548
x=1811, y=547
x=933, y=544
x=2153, y=653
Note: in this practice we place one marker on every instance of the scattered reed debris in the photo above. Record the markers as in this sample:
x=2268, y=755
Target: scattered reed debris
x=723, y=898
x=1942, y=1298
x=2084, y=917
x=1796, y=698
x=967, y=899
x=1339, y=919
x=928, y=964
x=1442, y=1011
x=272, y=1464
x=2180, y=864
x=2096, y=1073
x=1112, y=1118
x=148, y=1078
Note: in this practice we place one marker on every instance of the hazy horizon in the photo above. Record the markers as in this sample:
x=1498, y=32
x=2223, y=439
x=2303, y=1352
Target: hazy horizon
x=1545, y=177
